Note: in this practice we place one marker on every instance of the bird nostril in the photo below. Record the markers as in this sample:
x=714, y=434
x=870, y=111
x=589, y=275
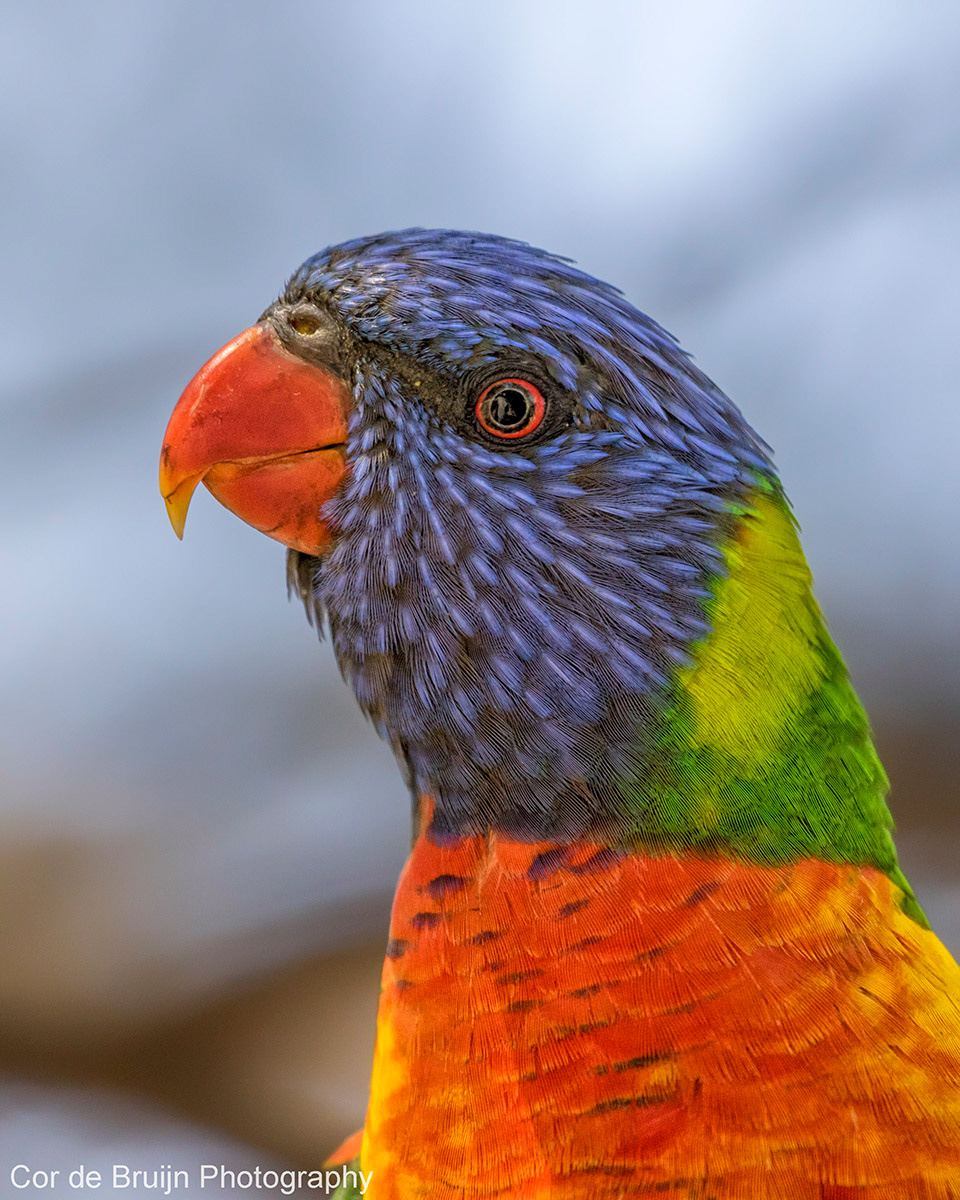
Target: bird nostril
x=304, y=323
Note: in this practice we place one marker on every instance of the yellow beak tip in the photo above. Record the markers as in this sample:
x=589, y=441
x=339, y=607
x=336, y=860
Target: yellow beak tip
x=178, y=504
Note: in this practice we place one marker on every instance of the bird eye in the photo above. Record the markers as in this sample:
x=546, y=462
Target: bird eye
x=304, y=323
x=510, y=408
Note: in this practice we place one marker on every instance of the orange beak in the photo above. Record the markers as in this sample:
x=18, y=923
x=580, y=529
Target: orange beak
x=264, y=431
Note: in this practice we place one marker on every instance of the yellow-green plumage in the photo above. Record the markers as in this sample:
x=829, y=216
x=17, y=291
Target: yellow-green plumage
x=766, y=751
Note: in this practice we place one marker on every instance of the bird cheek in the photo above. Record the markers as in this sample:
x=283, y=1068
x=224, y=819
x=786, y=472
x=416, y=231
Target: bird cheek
x=283, y=497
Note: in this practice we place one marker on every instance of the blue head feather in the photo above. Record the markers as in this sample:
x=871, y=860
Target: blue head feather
x=511, y=617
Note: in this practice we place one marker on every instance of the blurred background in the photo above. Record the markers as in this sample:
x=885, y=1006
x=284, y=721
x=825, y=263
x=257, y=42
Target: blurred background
x=199, y=835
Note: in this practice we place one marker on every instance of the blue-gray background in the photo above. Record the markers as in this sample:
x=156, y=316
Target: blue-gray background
x=188, y=800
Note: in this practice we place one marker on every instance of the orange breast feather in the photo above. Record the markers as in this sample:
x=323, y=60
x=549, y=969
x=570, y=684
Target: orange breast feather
x=582, y=1022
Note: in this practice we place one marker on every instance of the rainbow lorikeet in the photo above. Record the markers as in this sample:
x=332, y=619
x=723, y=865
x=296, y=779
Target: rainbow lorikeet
x=652, y=937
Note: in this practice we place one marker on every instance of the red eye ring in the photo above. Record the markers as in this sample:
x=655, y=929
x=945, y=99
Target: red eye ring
x=510, y=408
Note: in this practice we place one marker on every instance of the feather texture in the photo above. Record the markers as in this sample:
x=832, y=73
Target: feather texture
x=570, y=1022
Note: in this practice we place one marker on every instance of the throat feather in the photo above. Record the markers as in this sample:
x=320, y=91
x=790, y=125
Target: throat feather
x=512, y=623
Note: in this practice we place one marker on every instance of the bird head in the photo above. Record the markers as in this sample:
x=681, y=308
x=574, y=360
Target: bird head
x=505, y=489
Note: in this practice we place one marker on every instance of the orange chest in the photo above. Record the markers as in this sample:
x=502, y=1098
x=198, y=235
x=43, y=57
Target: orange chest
x=573, y=1022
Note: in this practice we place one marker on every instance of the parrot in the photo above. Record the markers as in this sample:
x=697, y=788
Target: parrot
x=652, y=937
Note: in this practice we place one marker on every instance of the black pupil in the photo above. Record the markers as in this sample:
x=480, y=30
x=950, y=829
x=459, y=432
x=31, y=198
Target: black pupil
x=509, y=408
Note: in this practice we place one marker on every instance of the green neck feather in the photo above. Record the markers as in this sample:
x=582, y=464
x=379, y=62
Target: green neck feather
x=766, y=752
